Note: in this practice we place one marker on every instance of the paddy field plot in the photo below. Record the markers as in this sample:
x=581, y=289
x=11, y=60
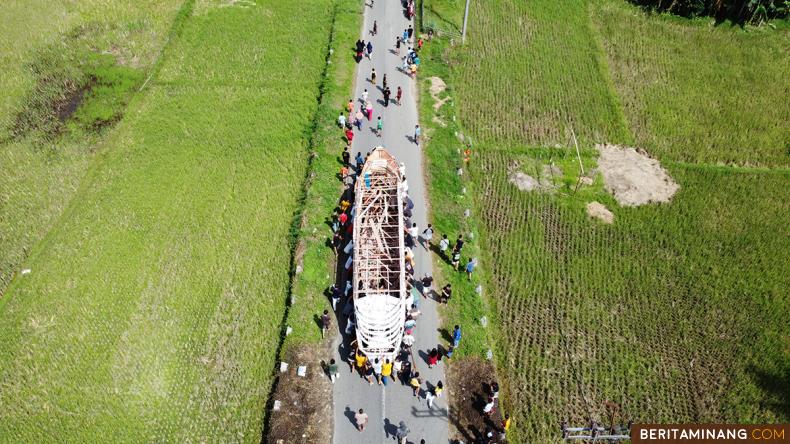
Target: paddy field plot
x=153, y=308
x=675, y=310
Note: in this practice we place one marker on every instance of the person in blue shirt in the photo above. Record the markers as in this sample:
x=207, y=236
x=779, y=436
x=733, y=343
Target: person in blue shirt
x=456, y=336
x=470, y=267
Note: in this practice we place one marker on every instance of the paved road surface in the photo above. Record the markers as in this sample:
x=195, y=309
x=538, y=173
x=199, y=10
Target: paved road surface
x=388, y=406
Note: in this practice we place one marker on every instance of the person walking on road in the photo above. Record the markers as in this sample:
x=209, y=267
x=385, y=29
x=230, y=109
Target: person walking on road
x=397, y=46
x=427, y=284
x=470, y=268
x=438, y=389
x=433, y=357
x=427, y=236
x=377, y=367
x=405, y=35
x=386, y=371
x=375, y=28
x=346, y=157
x=326, y=320
x=369, y=109
x=387, y=94
x=406, y=65
x=362, y=420
x=398, y=95
x=456, y=336
x=333, y=371
x=402, y=433
x=364, y=96
x=358, y=120
x=429, y=396
x=379, y=127
x=335, y=295
x=373, y=76
x=369, y=51
x=352, y=355
x=341, y=120
x=417, y=132
x=349, y=136
x=359, y=160
x=415, y=383
x=410, y=31
x=368, y=371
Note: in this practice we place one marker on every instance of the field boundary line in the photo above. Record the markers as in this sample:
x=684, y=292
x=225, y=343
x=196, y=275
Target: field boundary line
x=184, y=13
x=606, y=75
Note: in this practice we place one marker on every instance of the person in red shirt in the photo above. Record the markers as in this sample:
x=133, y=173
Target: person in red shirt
x=398, y=95
x=433, y=358
x=349, y=135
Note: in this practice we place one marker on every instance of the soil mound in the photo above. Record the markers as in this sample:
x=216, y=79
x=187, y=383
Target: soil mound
x=600, y=212
x=524, y=182
x=633, y=177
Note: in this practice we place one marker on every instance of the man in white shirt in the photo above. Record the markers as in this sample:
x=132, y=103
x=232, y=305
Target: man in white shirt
x=444, y=244
x=414, y=231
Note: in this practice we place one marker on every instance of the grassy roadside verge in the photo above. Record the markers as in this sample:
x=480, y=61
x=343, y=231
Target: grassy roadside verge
x=452, y=213
x=313, y=262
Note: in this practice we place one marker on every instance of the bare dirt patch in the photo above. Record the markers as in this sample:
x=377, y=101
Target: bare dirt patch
x=470, y=385
x=633, y=177
x=437, y=87
x=305, y=414
x=524, y=182
x=600, y=212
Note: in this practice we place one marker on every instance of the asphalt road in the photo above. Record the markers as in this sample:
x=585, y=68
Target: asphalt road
x=387, y=406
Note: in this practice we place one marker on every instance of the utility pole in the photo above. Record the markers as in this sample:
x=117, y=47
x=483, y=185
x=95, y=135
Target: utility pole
x=466, y=17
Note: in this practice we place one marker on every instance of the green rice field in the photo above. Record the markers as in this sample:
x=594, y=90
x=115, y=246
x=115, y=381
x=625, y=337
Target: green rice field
x=153, y=307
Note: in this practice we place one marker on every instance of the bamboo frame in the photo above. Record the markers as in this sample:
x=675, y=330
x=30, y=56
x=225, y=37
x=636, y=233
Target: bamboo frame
x=379, y=276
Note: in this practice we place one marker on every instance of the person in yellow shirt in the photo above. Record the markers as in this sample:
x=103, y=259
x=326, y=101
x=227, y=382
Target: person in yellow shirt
x=386, y=371
x=505, y=425
x=361, y=360
x=415, y=383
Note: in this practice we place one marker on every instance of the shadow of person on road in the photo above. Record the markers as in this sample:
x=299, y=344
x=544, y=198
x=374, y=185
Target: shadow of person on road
x=350, y=415
x=424, y=356
x=390, y=429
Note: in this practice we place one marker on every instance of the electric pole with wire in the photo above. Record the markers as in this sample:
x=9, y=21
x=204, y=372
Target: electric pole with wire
x=466, y=17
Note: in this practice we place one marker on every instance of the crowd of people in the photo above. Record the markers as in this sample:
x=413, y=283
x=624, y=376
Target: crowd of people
x=401, y=369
